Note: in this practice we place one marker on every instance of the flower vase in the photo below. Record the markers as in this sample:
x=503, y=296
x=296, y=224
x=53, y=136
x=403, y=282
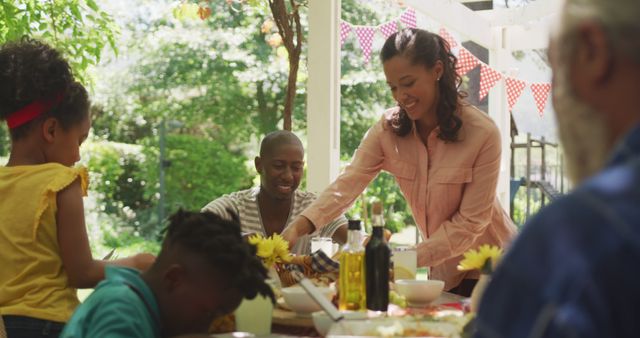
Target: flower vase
x=478, y=291
x=274, y=278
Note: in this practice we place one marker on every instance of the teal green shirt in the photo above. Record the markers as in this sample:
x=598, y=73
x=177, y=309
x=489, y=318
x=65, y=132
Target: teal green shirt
x=122, y=305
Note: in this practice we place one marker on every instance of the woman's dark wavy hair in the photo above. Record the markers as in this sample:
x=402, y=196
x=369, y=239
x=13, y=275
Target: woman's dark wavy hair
x=31, y=70
x=220, y=243
x=425, y=48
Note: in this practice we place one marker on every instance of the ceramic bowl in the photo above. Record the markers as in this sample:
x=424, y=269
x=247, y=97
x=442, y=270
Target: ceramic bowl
x=299, y=300
x=419, y=292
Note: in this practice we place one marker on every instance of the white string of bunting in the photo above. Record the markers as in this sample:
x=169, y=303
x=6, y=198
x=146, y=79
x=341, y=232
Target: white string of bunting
x=489, y=76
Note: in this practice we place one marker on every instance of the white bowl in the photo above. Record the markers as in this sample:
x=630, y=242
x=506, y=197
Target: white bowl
x=299, y=300
x=322, y=322
x=419, y=292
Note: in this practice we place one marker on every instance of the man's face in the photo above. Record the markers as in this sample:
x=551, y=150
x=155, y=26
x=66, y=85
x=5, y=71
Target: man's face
x=281, y=170
x=581, y=128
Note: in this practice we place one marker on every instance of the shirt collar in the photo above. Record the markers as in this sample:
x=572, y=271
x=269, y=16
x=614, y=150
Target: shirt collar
x=628, y=148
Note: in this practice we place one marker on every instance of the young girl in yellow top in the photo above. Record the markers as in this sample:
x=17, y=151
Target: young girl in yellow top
x=44, y=248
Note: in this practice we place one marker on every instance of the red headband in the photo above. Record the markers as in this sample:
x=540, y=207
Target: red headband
x=31, y=111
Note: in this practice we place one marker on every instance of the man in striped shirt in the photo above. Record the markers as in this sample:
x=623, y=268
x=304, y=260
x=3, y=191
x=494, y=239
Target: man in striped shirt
x=270, y=208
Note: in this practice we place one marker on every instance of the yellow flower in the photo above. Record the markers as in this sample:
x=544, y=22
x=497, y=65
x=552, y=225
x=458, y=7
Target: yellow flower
x=281, y=248
x=272, y=250
x=483, y=259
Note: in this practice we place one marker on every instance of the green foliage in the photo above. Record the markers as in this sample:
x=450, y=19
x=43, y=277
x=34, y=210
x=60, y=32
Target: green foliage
x=128, y=244
x=79, y=28
x=200, y=170
x=113, y=169
x=218, y=77
x=125, y=178
x=520, y=205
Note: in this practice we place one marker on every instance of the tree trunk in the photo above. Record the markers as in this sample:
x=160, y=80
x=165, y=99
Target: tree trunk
x=290, y=30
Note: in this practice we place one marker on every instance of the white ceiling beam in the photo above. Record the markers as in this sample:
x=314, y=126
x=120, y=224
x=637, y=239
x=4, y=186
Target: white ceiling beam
x=521, y=15
x=531, y=33
x=457, y=17
x=530, y=36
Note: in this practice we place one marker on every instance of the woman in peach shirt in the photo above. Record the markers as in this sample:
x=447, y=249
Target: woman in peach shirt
x=443, y=152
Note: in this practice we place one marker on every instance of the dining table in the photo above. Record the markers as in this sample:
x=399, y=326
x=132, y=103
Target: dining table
x=288, y=323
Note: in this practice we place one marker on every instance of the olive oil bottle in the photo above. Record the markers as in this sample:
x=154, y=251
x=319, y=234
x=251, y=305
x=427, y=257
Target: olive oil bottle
x=352, y=292
x=377, y=259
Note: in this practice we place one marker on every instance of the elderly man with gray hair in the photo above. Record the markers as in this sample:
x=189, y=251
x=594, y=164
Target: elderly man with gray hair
x=573, y=271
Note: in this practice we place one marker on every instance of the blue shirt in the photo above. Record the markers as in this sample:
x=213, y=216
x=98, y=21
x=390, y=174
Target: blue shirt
x=122, y=305
x=574, y=269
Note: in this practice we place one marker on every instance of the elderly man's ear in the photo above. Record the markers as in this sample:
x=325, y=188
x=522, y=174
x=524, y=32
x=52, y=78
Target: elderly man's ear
x=593, y=59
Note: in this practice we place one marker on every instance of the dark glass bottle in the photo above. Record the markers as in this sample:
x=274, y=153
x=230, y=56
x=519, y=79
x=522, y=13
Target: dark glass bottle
x=377, y=256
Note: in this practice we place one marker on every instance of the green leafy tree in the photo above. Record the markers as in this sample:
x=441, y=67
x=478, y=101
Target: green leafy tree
x=287, y=18
x=77, y=27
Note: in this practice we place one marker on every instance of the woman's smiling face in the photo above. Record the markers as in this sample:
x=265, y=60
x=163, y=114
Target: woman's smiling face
x=413, y=86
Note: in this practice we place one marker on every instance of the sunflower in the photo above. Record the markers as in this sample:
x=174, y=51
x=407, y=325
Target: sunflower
x=483, y=259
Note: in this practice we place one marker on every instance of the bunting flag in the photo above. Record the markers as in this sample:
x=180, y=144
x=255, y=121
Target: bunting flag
x=345, y=29
x=445, y=35
x=388, y=28
x=514, y=90
x=466, y=62
x=540, y=94
x=408, y=18
x=365, y=37
x=488, y=78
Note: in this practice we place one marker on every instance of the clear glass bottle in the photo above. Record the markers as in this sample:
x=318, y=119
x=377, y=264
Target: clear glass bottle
x=377, y=258
x=352, y=292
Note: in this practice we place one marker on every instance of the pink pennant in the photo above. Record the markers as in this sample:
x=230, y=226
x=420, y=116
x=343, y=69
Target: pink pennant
x=540, y=94
x=365, y=37
x=445, y=35
x=488, y=78
x=514, y=90
x=388, y=28
x=345, y=29
x=466, y=61
x=408, y=18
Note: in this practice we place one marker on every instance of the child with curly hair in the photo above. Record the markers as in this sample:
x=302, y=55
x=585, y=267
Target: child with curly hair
x=203, y=271
x=44, y=248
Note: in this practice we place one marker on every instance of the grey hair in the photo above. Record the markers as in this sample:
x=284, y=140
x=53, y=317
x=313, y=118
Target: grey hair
x=619, y=18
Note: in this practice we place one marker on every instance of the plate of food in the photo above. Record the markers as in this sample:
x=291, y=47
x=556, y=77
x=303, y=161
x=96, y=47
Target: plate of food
x=408, y=326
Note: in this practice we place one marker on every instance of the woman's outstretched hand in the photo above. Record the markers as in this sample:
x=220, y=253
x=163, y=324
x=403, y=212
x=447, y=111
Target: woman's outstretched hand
x=299, y=227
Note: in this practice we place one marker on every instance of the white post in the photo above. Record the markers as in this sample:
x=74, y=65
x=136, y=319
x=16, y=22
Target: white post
x=323, y=94
x=499, y=111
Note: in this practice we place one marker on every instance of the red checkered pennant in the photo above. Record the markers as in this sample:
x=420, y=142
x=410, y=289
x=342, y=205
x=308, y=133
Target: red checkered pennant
x=408, y=18
x=514, y=90
x=365, y=37
x=445, y=35
x=488, y=78
x=345, y=29
x=540, y=93
x=388, y=28
x=466, y=61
